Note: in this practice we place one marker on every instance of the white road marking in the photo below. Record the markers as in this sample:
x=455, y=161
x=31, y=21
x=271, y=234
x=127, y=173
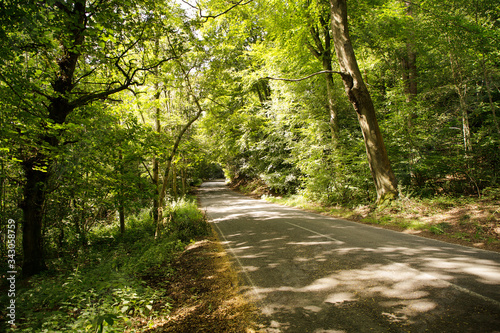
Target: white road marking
x=317, y=233
x=451, y=285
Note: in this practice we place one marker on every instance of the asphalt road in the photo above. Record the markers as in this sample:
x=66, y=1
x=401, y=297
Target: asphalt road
x=311, y=273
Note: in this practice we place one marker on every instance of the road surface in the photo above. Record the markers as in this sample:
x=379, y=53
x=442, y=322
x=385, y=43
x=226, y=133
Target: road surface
x=311, y=273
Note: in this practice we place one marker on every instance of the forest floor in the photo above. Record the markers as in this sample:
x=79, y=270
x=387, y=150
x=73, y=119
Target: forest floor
x=468, y=221
x=204, y=293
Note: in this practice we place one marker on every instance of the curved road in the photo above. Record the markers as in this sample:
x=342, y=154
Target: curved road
x=311, y=273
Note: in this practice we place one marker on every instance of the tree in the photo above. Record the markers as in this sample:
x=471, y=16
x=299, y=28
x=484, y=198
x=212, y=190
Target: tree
x=357, y=92
x=63, y=56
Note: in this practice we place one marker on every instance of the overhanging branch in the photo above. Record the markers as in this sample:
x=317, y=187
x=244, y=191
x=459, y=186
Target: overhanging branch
x=303, y=78
x=128, y=82
x=234, y=5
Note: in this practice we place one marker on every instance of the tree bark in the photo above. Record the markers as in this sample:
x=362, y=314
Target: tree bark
x=174, y=181
x=177, y=142
x=409, y=62
x=488, y=92
x=383, y=176
x=32, y=207
x=163, y=191
x=121, y=195
x=461, y=88
x=121, y=213
x=183, y=176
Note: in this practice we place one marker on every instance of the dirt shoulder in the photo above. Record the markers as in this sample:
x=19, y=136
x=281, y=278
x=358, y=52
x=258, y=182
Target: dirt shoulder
x=203, y=293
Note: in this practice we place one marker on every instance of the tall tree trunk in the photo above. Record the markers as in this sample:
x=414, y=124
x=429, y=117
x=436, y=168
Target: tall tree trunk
x=465, y=121
x=177, y=142
x=156, y=165
x=409, y=64
x=383, y=176
x=157, y=129
x=174, y=181
x=461, y=88
x=409, y=69
x=409, y=61
x=163, y=191
x=184, y=177
x=121, y=195
x=323, y=52
x=156, y=184
x=121, y=214
x=37, y=179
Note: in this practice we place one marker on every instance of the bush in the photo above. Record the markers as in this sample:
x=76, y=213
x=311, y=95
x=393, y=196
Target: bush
x=186, y=222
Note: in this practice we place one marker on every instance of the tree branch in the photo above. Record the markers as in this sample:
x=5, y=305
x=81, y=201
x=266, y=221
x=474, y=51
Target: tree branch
x=147, y=169
x=235, y=4
x=227, y=10
x=129, y=77
x=179, y=137
x=21, y=98
x=317, y=40
x=303, y=78
x=314, y=52
x=85, y=75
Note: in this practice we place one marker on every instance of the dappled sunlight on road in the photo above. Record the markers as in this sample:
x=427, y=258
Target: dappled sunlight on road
x=311, y=273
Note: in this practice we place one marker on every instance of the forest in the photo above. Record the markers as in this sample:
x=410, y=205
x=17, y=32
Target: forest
x=112, y=112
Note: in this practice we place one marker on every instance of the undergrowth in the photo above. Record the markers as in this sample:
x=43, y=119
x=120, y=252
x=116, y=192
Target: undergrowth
x=103, y=288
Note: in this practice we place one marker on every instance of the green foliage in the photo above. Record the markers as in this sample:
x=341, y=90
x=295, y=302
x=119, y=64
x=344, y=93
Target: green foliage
x=492, y=193
x=185, y=221
x=439, y=228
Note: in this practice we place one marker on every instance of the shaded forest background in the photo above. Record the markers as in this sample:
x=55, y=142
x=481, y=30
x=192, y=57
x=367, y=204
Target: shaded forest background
x=112, y=111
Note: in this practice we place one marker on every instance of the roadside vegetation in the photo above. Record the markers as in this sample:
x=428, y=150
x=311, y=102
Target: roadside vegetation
x=116, y=282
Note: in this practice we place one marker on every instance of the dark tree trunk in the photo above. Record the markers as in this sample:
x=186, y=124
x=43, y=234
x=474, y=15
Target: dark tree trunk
x=60, y=104
x=383, y=176
x=409, y=62
x=121, y=195
x=156, y=162
x=263, y=91
x=37, y=179
x=32, y=206
x=121, y=213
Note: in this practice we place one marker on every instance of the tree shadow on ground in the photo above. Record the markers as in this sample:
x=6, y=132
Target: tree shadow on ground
x=310, y=273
